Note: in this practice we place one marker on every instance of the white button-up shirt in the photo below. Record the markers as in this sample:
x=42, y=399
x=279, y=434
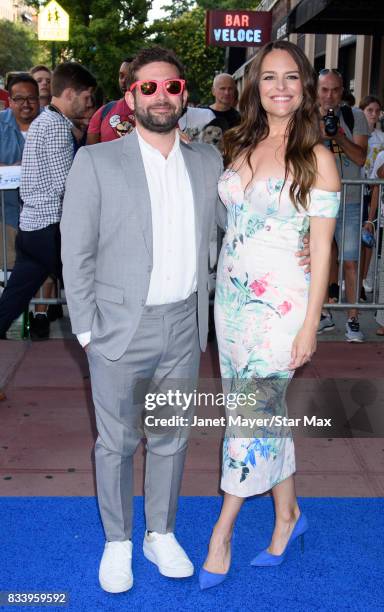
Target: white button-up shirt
x=174, y=274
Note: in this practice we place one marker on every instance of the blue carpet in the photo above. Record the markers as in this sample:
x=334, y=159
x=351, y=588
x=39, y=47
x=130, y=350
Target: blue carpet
x=55, y=544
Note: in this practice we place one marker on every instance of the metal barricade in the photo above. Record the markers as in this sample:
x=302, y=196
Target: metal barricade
x=5, y=271
x=4, y=266
x=9, y=182
x=375, y=304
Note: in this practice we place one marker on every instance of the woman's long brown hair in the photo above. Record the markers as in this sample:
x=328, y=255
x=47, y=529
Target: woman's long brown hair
x=303, y=129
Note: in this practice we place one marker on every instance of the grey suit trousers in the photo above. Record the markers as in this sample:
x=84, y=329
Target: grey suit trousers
x=165, y=351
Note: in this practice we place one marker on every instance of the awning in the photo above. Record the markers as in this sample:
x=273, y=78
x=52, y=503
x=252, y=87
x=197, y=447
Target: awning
x=338, y=17
x=239, y=73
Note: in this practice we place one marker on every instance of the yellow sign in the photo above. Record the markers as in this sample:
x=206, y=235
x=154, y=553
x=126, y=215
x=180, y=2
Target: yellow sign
x=53, y=22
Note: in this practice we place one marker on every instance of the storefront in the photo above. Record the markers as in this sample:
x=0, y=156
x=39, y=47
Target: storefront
x=334, y=34
x=337, y=16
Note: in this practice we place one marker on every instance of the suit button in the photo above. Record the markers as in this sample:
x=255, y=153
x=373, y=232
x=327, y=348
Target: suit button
x=149, y=269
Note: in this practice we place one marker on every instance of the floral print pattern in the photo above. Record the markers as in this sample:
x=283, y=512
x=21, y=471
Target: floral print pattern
x=261, y=301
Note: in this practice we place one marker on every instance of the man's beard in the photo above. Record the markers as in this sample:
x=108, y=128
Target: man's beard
x=78, y=111
x=162, y=123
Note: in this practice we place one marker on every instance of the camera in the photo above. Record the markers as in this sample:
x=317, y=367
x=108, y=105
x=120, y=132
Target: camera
x=331, y=123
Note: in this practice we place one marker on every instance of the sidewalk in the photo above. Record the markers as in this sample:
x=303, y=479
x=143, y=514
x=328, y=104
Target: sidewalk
x=48, y=429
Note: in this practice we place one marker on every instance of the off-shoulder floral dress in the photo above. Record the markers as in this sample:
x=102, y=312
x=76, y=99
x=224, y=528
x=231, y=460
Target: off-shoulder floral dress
x=261, y=302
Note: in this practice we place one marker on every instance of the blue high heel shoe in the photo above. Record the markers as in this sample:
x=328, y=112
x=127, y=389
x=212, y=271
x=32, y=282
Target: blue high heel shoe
x=207, y=580
x=265, y=558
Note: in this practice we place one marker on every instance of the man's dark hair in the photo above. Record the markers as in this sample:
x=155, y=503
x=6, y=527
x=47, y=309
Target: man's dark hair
x=11, y=75
x=22, y=78
x=38, y=68
x=127, y=60
x=150, y=55
x=71, y=74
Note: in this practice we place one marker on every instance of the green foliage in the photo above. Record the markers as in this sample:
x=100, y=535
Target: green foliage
x=228, y=4
x=177, y=8
x=186, y=36
x=102, y=33
x=19, y=48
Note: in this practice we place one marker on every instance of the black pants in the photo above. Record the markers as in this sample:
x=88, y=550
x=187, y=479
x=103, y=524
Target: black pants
x=37, y=257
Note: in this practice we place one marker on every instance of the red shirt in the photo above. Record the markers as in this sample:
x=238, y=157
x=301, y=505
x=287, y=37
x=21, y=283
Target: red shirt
x=4, y=99
x=119, y=121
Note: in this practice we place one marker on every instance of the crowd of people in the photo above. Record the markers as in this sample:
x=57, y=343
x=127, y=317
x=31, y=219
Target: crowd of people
x=28, y=95
x=126, y=222
x=42, y=134
x=357, y=146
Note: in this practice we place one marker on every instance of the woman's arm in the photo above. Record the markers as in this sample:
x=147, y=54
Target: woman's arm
x=374, y=203
x=328, y=177
x=322, y=230
x=321, y=235
x=372, y=209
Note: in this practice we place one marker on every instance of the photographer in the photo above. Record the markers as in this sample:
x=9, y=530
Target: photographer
x=345, y=132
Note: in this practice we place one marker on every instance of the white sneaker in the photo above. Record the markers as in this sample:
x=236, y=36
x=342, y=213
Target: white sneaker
x=325, y=324
x=164, y=551
x=352, y=331
x=368, y=288
x=115, y=572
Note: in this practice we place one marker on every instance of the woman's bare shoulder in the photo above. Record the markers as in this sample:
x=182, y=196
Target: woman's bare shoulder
x=328, y=177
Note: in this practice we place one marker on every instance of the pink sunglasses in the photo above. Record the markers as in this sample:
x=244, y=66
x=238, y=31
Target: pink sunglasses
x=173, y=87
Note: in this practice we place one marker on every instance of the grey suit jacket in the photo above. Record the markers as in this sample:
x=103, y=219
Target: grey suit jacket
x=107, y=238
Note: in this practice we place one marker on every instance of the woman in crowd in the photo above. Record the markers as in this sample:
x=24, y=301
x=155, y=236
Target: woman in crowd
x=371, y=107
x=279, y=182
x=376, y=216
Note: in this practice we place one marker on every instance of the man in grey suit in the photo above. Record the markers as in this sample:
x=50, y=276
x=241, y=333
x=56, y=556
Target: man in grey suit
x=137, y=218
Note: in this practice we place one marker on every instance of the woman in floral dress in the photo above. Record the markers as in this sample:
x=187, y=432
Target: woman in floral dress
x=279, y=183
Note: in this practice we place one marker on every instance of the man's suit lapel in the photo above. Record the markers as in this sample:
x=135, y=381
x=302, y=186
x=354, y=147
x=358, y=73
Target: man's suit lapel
x=134, y=174
x=195, y=171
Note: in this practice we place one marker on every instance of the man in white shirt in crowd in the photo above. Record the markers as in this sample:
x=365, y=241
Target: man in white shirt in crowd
x=194, y=120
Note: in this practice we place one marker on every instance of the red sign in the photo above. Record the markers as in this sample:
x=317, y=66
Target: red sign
x=238, y=28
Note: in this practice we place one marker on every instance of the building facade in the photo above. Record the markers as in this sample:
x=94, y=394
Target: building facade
x=17, y=11
x=358, y=57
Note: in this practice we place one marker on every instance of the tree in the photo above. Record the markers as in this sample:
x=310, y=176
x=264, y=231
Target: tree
x=19, y=48
x=186, y=36
x=228, y=4
x=177, y=8
x=102, y=34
